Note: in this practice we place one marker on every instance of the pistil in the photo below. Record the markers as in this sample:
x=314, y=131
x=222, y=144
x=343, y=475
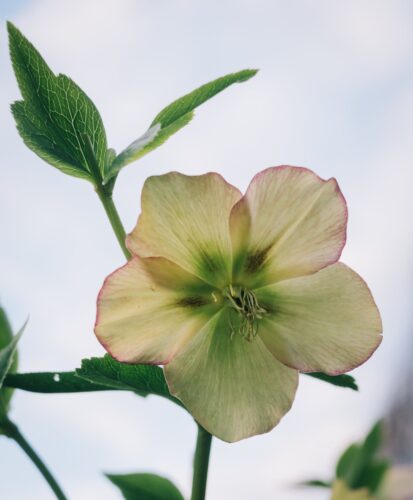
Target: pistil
x=249, y=312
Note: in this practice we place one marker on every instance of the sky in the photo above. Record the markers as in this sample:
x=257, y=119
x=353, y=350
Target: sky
x=334, y=93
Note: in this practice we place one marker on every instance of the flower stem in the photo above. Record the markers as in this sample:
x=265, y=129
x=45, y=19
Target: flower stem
x=11, y=430
x=201, y=462
x=114, y=219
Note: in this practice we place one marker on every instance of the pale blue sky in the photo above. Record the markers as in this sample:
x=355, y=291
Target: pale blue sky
x=335, y=94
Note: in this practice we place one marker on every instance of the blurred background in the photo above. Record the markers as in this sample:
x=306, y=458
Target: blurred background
x=334, y=93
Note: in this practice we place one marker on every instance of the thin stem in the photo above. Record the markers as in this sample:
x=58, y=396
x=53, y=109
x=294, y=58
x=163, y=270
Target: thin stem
x=12, y=431
x=201, y=462
x=114, y=219
x=105, y=196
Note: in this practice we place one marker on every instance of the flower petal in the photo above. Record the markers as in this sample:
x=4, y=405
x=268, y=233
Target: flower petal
x=186, y=220
x=342, y=492
x=325, y=322
x=233, y=388
x=289, y=223
x=141, y=319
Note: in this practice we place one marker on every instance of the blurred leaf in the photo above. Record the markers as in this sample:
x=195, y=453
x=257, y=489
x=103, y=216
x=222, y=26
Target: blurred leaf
x=344, y=380
x=7, y=354
x=358, y=465
x=144, y=379
x=145, y=487
x=375, y=474
x=173, y=118
x=317, y=483
x=8, y=360
x=6, y=335
x=56, y=118
x=346, y=460
x=373, y=441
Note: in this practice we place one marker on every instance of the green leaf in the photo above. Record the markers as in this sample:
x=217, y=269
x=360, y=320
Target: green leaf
x=375, y=474
x=317, y=483
x=190, y=101
x=373, y=441
x=6, y=335
x=145, y=487
x=53, y=383
x=7, y=354
x=143, y=379
x=55, y=119
x=96, y=374
x=151, y=139
x=8, y=360
x=173, y=118
x=346, y=460
x=345, y=380
x=358, y=465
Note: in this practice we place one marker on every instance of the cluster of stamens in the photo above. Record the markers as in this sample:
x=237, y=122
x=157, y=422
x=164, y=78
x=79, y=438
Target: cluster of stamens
x=245, y=303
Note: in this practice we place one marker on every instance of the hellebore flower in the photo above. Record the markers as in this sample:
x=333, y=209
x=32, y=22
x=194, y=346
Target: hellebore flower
x=237, y=294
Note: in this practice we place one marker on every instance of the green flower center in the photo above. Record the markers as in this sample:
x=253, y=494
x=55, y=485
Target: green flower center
x=248, y=312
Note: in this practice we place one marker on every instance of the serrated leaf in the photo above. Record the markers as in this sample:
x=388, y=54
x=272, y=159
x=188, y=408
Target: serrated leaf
x=56, y=118
x=145, y=487
x=144, y=379
x=6, y=335
x=344, y=380
x=173, y=118
x=53, y=383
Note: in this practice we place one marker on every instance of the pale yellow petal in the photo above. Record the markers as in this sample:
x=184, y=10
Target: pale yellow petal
x=398, y=483
x=233, y=388
x=326, y=322
x=342, y=492
x=289, y=223
x=142, y=318
x=186, y=220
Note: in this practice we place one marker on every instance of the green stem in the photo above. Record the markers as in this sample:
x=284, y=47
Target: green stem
x=11, y=430
x=105, y=196
x=114, y=219
x=201, y=462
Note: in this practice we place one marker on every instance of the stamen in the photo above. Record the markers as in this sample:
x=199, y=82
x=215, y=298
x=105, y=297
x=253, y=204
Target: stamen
x=245, y=303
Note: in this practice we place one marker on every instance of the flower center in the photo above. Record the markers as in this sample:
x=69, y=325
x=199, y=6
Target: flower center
x=245, y=304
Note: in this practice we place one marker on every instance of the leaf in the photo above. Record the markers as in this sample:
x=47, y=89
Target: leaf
x=375, y=474
x=151, y=139
x=56, y=119
x=174, y=117
x=7, y=354
x=357, y=465
x=373, y=441
x=145, y=487
x=345, y=380
x=346, y=460
x=8, y=361
x=6, y=335
x=144, y=379
x=96, y=374
x=52, y=382
x=316, y=482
